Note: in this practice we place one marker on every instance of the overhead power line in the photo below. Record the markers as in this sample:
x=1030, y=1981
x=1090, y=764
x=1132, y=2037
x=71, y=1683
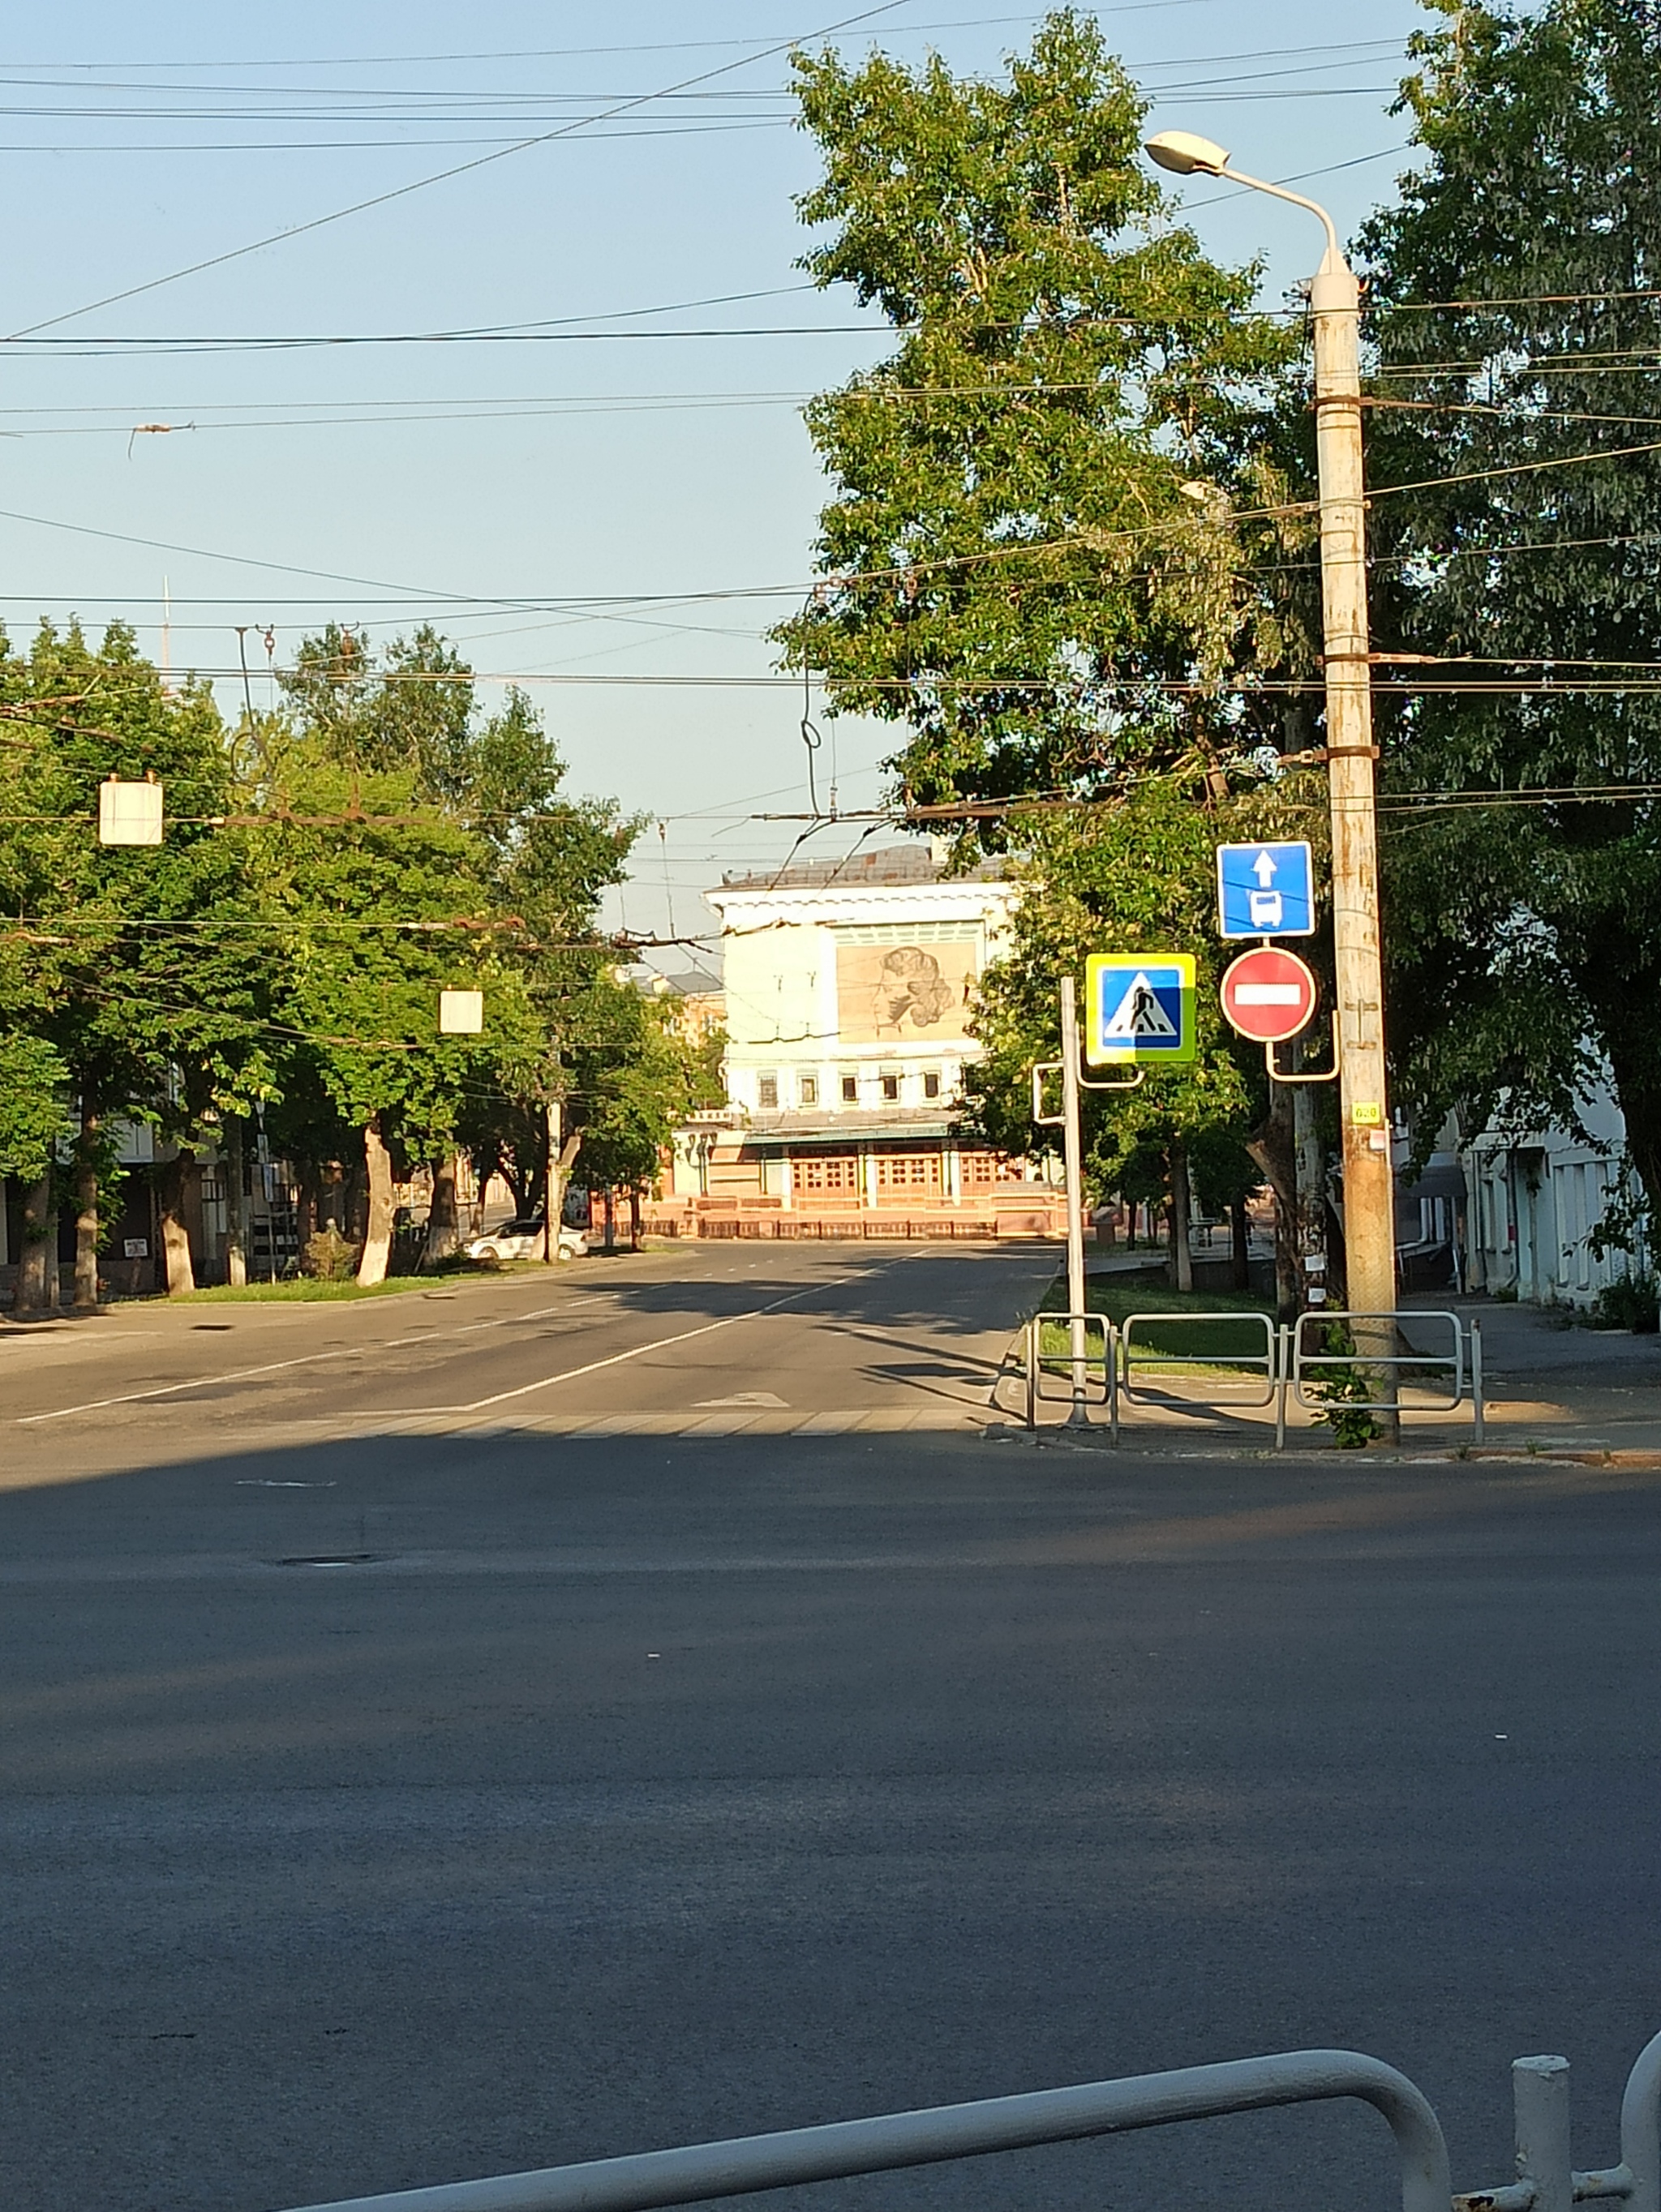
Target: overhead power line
x=572, y=53
x=443, y=176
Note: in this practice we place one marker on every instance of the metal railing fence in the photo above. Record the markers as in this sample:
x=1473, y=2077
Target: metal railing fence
x=1367, y=1332
x=1214, y=1359
x=704, y=2171
x=1296, y=1363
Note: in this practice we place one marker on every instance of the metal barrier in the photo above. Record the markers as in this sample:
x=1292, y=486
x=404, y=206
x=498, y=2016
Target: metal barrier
x=1078, y=1361
x=1461, y=1364
x=1546, y=2182
x=1207, y=1362
x=1292, y=1364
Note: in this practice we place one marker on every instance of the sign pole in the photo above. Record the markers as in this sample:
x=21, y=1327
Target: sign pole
x=1369, y=1183
x=551, y=1192
x=1072, y=1156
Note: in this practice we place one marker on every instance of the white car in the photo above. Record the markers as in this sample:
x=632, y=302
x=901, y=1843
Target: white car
x=522, y=1240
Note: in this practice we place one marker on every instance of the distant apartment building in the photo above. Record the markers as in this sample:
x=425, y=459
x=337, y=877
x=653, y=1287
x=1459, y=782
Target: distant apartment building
x=848, y=988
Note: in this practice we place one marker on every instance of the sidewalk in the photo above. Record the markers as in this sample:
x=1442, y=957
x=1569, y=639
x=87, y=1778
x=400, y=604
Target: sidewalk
x=1561, y=1389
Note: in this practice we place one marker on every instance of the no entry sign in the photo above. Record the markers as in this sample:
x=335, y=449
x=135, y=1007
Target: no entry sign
x=1268, y=995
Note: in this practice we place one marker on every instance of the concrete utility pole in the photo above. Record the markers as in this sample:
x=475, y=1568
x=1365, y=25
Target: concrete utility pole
x=1335, y=301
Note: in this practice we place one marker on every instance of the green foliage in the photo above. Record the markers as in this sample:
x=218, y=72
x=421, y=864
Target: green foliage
x=1632, y=1301
x=1034, y=537
x=33, y=1084
x=120, y=962
x=325, y=873
x=1137, y=878
x=634, y=1078
x=1043, y=551
x=1346, y=1392
x=1526, y=940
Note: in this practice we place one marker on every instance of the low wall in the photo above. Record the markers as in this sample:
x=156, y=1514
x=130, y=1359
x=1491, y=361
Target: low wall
x=766, y=1219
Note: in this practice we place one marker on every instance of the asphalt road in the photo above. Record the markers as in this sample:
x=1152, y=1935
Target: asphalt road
x=626, y=1789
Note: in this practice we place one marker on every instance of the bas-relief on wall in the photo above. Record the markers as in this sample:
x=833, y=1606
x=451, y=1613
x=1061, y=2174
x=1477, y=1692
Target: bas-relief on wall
x=889, y=993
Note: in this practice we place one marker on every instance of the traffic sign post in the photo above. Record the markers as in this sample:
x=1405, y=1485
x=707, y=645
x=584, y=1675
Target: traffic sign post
x=1268, y=995
x=1140, y=1008
x=1265, y=891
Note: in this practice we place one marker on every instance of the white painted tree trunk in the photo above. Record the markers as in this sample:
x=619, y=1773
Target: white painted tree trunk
x=176, y=1236
x=378, y=1242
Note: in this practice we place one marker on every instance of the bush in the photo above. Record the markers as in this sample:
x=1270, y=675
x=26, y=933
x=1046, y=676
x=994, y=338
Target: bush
x=1631, y=1302
x=1346, y=1392
x=329, y=1257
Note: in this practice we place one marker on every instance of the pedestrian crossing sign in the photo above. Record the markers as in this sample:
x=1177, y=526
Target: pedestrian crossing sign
x=1139, y=1006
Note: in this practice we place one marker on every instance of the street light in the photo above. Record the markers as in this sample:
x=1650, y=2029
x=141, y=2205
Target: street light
x=1359, y=1019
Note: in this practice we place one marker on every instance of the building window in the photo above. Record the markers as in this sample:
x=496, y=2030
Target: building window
x=908, y=1171
x=851, y=1091
x=832, y=1172
x=767, y=1091
x=931, y=1084
x=810, y=1090
x=891, y=1089
x=979, y=1170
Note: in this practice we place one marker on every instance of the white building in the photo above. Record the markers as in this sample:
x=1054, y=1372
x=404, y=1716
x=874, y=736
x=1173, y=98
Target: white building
x=1534, y=1200
x=849, y=991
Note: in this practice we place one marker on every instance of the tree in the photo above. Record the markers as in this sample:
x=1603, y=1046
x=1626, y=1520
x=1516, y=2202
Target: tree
x=635, y=1078
x=1037, y=553
x=480, y=870
x=1514, y=291
x=1142, y=878
x=1056, y=545
x=128, y=965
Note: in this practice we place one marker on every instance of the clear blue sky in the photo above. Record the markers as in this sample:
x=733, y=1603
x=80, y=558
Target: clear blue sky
x=491, y=484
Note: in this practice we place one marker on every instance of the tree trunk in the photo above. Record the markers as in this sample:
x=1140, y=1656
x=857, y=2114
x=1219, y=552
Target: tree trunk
x=1181, y=1251
x=236, y=1204
x=1314, y=1258
x=175, y=1234
x=174, y=1222
x=562, y=1175
x=1241, y=1245
x=1272, y=1146
x=86, y=1215
x=443, y=1219
x=37, y=1262
x=378, y=1232
x=307, y=1206
x=351, y=1192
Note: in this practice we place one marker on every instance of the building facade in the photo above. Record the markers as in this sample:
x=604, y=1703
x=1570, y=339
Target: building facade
x=1536, y=1200
x=848, y=991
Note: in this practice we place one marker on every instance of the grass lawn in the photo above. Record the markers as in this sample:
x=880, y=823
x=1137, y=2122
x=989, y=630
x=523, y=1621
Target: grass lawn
x=1223, y=1346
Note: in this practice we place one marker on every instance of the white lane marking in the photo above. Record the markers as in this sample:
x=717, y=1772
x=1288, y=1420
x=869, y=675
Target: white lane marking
x=658, y=1344
x=303, y=1359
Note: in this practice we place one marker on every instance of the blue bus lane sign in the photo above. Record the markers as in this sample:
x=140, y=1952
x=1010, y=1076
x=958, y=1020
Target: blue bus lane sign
x=1139, y=1006
x=1265, y=891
